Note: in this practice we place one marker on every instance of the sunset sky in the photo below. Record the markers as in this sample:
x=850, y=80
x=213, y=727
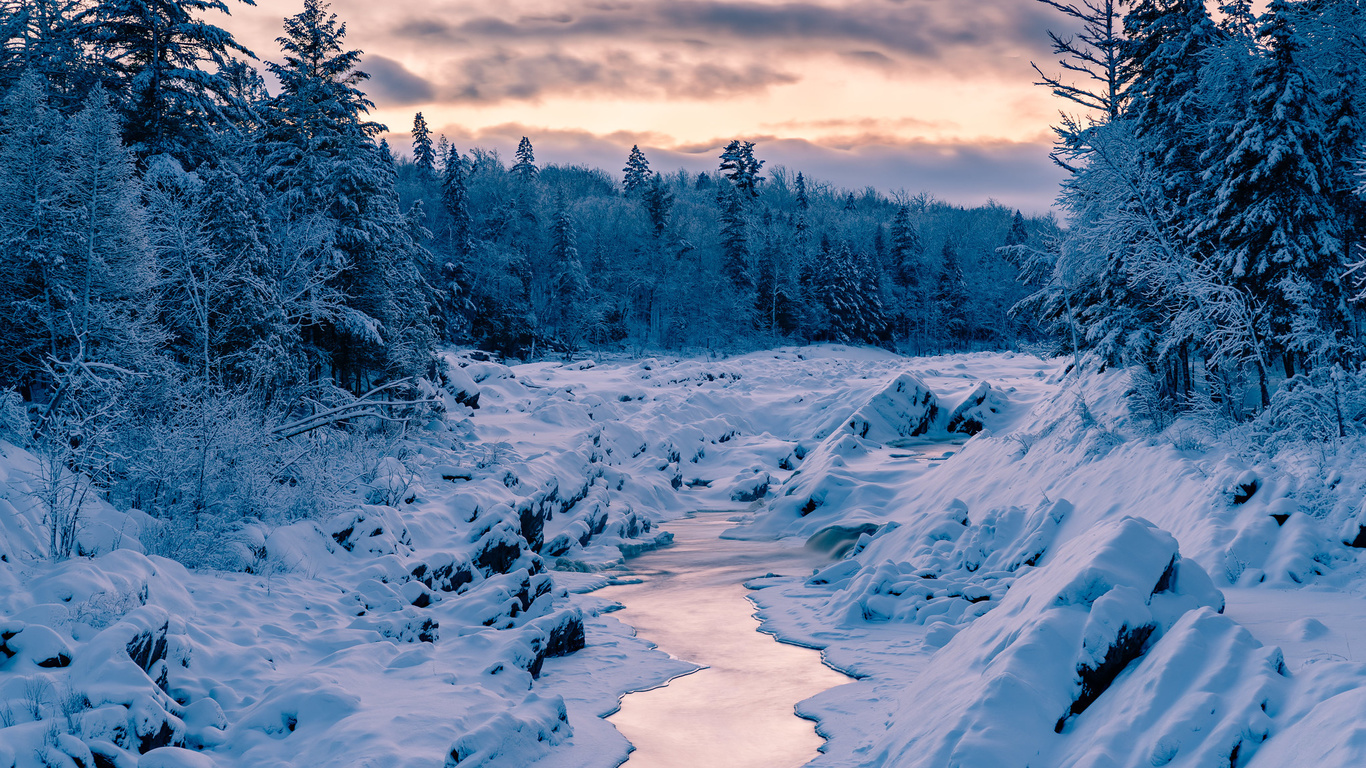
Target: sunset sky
x=920, y=95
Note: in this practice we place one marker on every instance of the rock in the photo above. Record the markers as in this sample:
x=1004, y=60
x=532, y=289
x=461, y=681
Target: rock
x=972, y=414
x=837, y=540
x=1246, y=487
x=904, y=408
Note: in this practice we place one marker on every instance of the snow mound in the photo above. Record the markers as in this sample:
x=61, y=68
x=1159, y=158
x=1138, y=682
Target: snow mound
x=998, y=693
x=904, y=408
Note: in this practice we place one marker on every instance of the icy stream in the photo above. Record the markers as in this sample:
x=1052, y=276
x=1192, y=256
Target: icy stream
x=738, y=710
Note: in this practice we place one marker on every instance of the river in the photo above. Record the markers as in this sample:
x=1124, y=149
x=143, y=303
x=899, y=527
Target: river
x=736, y=712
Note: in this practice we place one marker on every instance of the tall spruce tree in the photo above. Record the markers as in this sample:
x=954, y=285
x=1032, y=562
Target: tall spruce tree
x=423, y=155
x=735, y=244
x=1274, y=230
x=569, y=289
x=32, y=263
x=169, y=63
x=637, y=172
x=739, y=165
x=323, y=161
x=525, y=167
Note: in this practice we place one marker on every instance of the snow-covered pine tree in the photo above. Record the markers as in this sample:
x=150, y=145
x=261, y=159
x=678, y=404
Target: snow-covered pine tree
x=323, y=162
x=107, y=269
x=32, y=285
x=423, y=155
x=169, y=62
x=1019, y=232
x=950, y=298
x=739, y=165
x=1163, y=54
x=525, y=167
x=906, y=262
x=569, y=287
x=837, y=289
x=849, y=204
x=735, y=255
x=453, y=289
x=1271, y=222
x=659, y=203
x=803, y=202
x=47, y=39
x=637, y=172
x=871, y=312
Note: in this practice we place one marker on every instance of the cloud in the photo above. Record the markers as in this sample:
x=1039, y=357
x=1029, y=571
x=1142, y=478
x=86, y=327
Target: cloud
x=925, y=29
x=503, y=74
x=391, y=85
x=1015, y=174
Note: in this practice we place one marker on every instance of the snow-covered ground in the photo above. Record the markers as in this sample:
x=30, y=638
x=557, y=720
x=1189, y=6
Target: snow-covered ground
x=1060, y=590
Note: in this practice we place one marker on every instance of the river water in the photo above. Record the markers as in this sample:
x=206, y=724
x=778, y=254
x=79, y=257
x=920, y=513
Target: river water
x=737, y=712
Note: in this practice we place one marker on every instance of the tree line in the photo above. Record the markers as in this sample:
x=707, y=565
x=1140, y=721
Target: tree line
x=218, y=298
x=1214, y=206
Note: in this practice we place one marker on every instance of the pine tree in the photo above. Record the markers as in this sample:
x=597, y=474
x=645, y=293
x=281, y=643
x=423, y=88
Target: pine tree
x=31, y=226
x=525, y=167
x=423, y=156
x=1271, y=223
x=107, y=266
x=170, y=64
x=1019, y=232
x=849, y=205
x=659, y=203
x=735, y=245
x=839, y=293
x=637, y=171
x=324, y=163
x=803, y=202
x=906, y=263
x=569, y=297
x=871, y=315
x=741, y=168
x=1164, y=52
x=950, y=297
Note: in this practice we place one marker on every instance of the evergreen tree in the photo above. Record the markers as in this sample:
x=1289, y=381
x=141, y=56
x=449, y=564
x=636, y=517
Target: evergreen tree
x=1163, y=56
x=31, y=226
x=659, y=203
x=803, y=202
x=950, y=297
x=906, y=263
x=569, y=296
x=849, y=205
x=47, y=39
x=323, y=161
x=525, y=167
x=637, y=171
x=1270, y=219
x=170, y=66
x=838, y=291
x=423, y=155
x=741, y=168
x=1019, y=233
x=735, y=245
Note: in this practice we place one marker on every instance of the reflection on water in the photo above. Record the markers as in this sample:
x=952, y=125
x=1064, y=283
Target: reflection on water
x=738, y=711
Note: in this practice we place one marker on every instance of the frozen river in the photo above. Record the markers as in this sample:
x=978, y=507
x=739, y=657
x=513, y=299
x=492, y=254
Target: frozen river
x=737, y=711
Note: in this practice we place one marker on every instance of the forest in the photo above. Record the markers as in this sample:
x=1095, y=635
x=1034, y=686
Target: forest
x=196, y=266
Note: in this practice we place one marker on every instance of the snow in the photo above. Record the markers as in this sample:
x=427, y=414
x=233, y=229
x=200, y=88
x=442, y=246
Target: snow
x=1027, y=577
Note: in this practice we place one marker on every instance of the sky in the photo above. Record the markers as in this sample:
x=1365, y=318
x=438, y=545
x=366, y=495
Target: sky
x=917, y=96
